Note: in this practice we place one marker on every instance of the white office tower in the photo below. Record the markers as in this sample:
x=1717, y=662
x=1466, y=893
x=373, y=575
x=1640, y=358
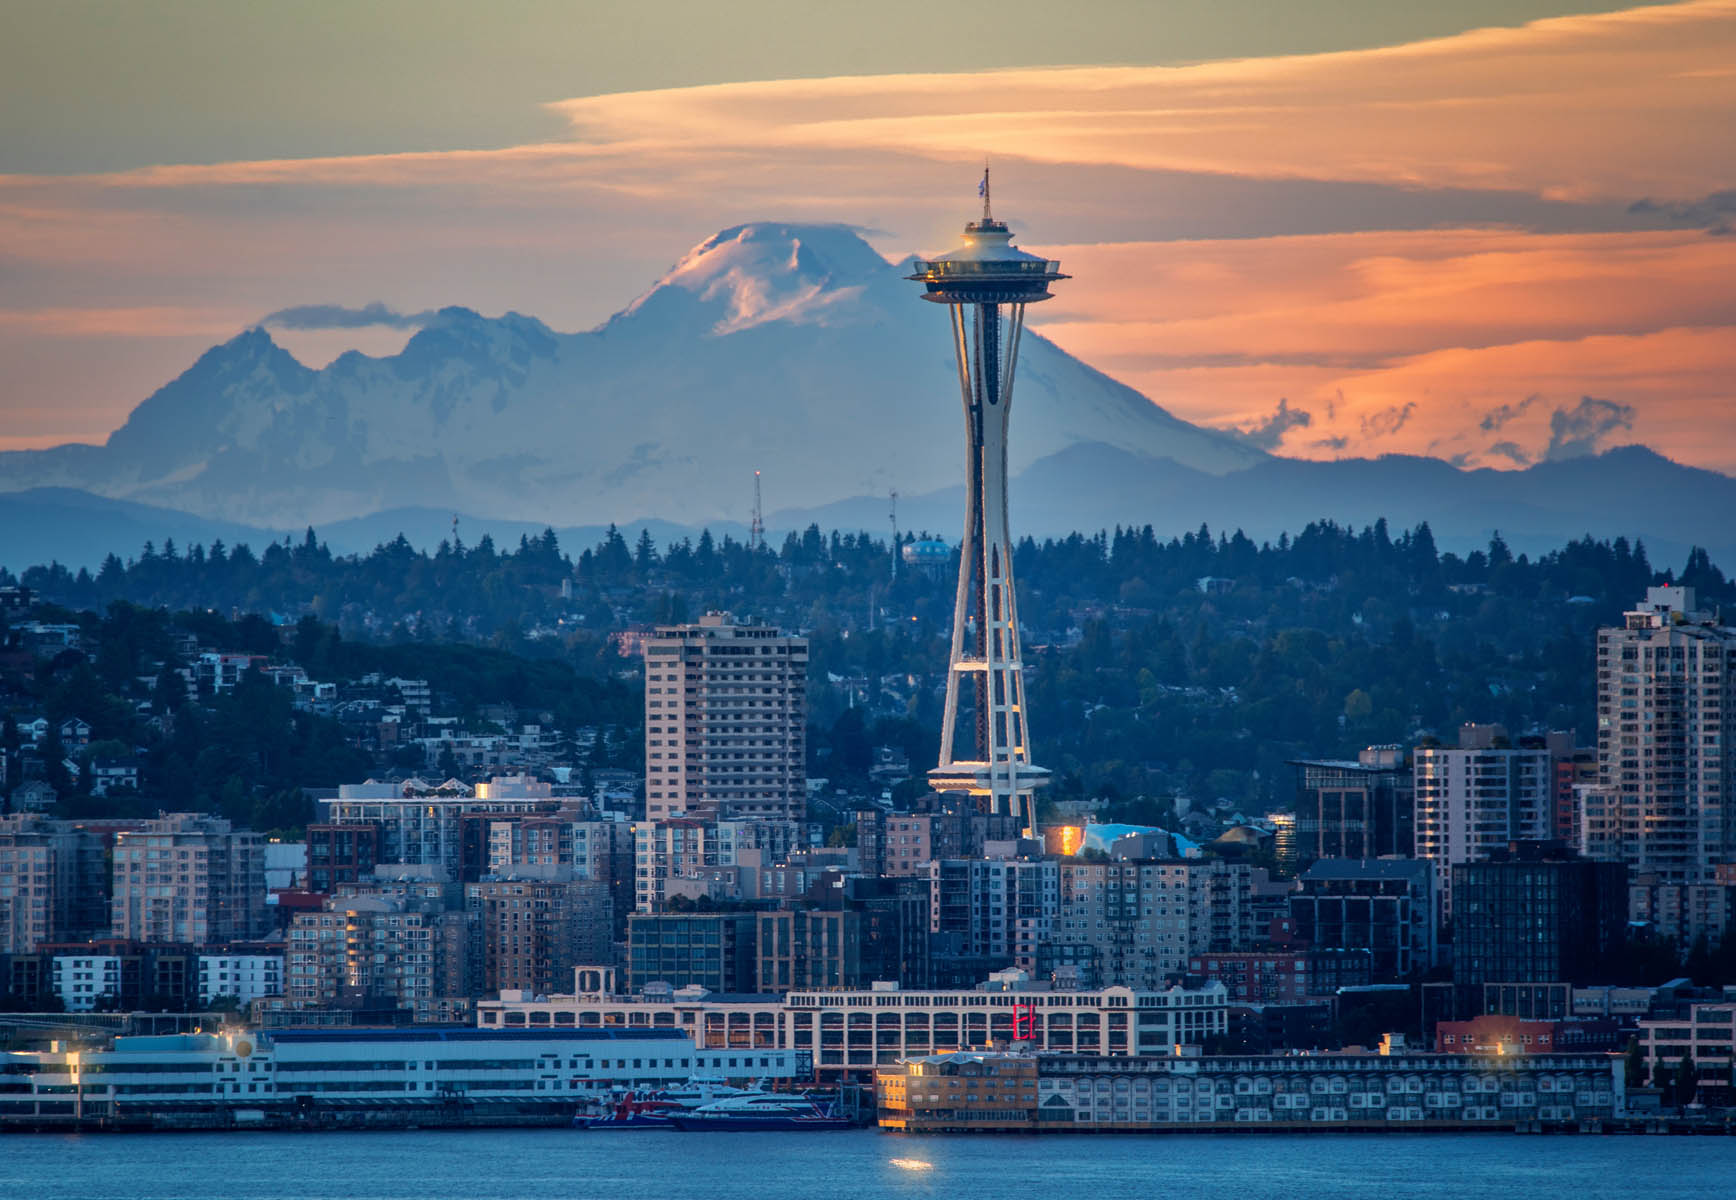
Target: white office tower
x=985, y=285
x=1666, y=765
x=726, y=715
x=1477, y=798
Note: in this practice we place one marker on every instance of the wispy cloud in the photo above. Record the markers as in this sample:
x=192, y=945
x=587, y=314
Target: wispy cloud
x=1582, y=429
x=337, y=316
x=1268, y=433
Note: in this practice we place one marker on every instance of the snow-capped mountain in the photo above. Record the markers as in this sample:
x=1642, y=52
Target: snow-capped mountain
x=794, y=349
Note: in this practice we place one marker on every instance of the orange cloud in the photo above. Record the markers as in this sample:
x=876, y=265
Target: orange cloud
x=1405, y=342
x=1619, y=103
x=1615, y=106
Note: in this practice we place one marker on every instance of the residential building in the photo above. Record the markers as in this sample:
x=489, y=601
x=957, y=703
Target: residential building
x=241, y=974
x=33, y=796
x=671, y=849
x=440, y=825
x=1478, y=798
x=1535, y=914
x=1136, y=922
x=1682, y=913
x=1706, y=1033
x=726, y=711
x=1666, y=745
x=905, y=843
x=1273, y=976
x=369, y=952
x=115, y=975
x=848, y=932
x=1384, y=906
x=535, y=924
x=340, y=853
x=41, y=862
x=113, y=774
x=998, y=909
x=191, y=879
x=1352, y=809
x=597, y=850
x=714, y=951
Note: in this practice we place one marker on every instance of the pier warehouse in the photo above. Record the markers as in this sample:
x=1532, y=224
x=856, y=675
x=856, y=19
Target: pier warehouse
x=374, y=1068
x=1077, y=1093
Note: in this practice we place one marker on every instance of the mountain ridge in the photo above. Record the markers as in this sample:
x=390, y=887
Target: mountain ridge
x=794, y=347
x=1085, y=488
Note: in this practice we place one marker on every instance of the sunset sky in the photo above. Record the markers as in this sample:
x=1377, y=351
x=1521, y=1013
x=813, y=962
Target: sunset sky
x=1495, y=232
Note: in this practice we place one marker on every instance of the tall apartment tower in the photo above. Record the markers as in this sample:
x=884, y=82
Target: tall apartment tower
x=1666, y=763
x=189, y=878
x=1479, y=798
x=40, y=867
x=726, y=714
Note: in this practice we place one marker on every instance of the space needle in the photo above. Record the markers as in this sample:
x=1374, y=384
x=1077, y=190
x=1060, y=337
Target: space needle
x=985, y=285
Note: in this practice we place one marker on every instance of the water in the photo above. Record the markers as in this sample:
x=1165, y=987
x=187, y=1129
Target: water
x=859, y=1165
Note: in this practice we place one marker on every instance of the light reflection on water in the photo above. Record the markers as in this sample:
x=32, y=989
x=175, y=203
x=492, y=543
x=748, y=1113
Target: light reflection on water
x=864, y=1165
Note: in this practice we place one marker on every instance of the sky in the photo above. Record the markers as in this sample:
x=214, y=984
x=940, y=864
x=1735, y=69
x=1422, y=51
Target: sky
x=1492, y=232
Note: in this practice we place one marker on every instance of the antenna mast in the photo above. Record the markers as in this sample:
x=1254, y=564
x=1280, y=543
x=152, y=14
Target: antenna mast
x=894, y=516
x=756, y=534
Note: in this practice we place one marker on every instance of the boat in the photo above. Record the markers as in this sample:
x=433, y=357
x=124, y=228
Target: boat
x=652, y=1109
x=762, y=1111
x=630, y=1110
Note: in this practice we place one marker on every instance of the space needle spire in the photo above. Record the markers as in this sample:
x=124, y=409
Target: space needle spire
x=986, y=284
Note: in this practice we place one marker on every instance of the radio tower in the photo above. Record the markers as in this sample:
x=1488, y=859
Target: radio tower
x=985, y=285
x=892, y=514
x=756, y=532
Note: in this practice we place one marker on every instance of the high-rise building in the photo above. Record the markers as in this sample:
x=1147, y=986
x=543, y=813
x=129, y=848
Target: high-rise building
x=43, y=865
x=1665, y=751
x=904, y=843
x=375, y=951
x=1479, y=798
x=1384, y=906
x=667, y=850
x=999, y=909
x=340, y=854
x=191, y=879
x=1133, y=923
x=1535, y=914
x=848, y=931
x=714, y=951
x=536, y=924
x=1352, y=809
x=726, y=713
x=435, y=825
x=597, y=850
x=985, y=285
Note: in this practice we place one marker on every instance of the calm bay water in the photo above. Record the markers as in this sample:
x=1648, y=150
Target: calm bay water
x=561, y=1165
